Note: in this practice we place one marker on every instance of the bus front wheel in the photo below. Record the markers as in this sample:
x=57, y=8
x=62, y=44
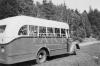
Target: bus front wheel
x=73, y=50
x=41, y=56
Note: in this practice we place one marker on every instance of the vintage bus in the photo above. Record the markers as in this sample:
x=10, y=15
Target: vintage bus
x=24, y=38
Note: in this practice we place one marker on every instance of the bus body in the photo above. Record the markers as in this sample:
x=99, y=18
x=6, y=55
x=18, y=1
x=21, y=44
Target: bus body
x=22, y=37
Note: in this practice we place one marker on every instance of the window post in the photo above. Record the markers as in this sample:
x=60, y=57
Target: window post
x=28, y=32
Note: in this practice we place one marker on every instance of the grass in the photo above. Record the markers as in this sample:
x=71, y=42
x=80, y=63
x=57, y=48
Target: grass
x=94, y=51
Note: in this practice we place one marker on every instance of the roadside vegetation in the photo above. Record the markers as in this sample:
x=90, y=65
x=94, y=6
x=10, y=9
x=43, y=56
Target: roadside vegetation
x=82, y=25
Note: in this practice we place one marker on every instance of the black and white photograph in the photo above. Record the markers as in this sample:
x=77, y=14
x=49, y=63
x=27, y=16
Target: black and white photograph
x=49, y=33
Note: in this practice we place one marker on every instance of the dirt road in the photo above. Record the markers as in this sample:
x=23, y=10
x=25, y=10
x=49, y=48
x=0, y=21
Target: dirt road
x=83, y=58
x=93, y=51
x=88, y=55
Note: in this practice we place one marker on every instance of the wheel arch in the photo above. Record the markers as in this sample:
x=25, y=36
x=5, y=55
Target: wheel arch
x=77, y=46
x=74, y=46
x=46, y=49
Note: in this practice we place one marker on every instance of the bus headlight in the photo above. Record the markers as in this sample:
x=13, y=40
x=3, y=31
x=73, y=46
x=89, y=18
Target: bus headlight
x=2, y=49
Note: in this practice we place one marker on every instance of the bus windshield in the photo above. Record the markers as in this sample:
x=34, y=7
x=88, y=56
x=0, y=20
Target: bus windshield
x=2, y=28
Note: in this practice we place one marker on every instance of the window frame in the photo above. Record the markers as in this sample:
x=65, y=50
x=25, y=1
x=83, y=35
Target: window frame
x=63, y=34
x=2, y=28
x=43, y=33
x=50, y=34
x=57, y=33
x=25, y=29
x=33, y=30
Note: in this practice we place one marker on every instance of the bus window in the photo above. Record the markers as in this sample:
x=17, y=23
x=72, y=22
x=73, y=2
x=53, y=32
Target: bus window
x=57, y=32
x=23, y=30
x=63, y=33
x=50, y=32
x=2, y=28
x=33, y=30
x=42, y=31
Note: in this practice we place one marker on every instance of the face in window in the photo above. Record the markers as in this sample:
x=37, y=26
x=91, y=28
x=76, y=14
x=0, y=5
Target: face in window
x=63, y=33
x=50, y=30
x=57, y=32
x=23, y=30
x=42, y=29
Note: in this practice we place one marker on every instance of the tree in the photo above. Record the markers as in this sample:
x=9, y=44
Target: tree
x=87, y=25
x=47, y=10
x=8, y=8
x=94, y=18
x=61, y=13
x=26, y=7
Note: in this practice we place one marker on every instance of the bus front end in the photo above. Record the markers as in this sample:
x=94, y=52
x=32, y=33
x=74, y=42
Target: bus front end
x=3, y=53
x=2, y=45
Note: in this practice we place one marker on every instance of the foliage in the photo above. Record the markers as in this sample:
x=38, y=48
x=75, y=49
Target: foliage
x=94, y=18
x=87, y=24
x=82, y=25
x=26, y=7
x=8, y=8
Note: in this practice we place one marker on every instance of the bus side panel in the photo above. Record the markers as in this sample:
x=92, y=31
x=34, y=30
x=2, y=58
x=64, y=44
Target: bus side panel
x=23, y=49
x=26, y=48
x=57, y=46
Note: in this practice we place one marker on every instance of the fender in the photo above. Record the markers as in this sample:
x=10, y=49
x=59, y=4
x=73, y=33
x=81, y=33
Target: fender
x=74, y=45
x=43, y=48
x=77, y=46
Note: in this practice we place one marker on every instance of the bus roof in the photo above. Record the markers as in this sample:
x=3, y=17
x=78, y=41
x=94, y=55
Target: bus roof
x=27, y=20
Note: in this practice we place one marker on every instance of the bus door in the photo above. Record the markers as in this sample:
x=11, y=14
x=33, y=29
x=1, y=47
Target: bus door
x=64, y=35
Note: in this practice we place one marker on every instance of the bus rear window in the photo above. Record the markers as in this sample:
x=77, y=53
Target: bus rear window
x=2, y=28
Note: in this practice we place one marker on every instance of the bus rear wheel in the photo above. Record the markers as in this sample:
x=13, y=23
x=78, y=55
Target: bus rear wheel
x=41, y=56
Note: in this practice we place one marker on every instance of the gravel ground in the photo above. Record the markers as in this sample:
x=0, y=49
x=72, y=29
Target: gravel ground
x=93, y=51
x=81, y=59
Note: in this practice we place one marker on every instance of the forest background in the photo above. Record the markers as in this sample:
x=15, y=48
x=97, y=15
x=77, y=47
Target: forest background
x=82, y=25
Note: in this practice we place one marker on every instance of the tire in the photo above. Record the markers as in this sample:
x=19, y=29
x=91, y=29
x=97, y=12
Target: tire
x=73, y=52
x=41, y=56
